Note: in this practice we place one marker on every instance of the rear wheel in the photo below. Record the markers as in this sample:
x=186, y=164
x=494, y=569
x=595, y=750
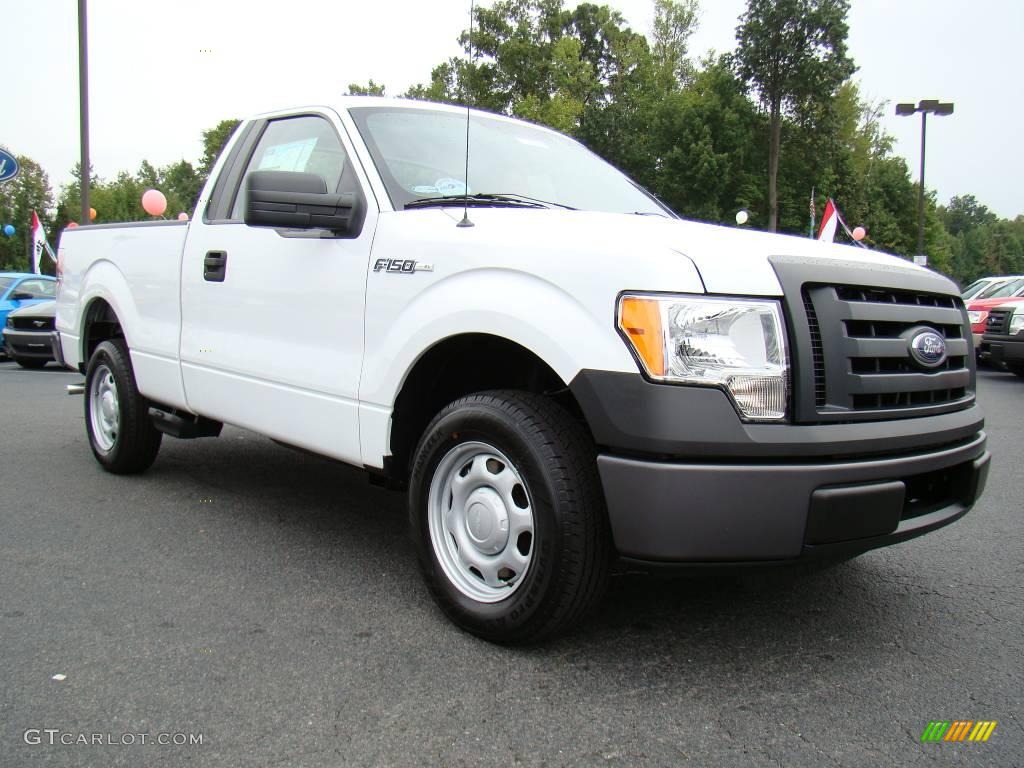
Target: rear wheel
x=1017, y=368
x=508, y=516
x=121, y=434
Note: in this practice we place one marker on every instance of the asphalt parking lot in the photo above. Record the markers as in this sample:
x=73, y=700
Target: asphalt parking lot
x=268, y=602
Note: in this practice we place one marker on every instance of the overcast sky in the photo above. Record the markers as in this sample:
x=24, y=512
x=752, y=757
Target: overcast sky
x=160, y=73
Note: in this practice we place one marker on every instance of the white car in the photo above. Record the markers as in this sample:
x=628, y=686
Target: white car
x=559, y=370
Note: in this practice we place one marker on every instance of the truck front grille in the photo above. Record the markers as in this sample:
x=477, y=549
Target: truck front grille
x=864, y=338
x=33, y=323
x=998, y=321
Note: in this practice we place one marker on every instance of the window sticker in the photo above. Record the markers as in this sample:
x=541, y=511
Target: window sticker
x=292, y=156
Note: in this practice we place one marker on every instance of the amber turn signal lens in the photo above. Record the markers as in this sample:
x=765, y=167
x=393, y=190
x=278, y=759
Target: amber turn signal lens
x=640, y=320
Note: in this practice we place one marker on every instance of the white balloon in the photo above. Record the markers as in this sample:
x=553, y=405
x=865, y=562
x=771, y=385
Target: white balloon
x=741, y=217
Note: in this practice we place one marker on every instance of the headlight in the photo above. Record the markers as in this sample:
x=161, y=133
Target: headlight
x=735, y=344
x=10, y=322
x=1017, y=321
x=975, y=317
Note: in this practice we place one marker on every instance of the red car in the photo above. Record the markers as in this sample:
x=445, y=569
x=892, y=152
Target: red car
x=977, y=309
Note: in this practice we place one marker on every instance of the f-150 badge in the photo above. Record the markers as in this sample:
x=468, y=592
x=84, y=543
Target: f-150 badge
x=404, y=266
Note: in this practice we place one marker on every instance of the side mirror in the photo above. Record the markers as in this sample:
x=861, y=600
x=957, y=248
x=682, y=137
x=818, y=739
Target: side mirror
x=293, y=200
x=18, y=295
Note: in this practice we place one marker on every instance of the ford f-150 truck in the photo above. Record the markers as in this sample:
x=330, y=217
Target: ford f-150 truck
x=562, y=373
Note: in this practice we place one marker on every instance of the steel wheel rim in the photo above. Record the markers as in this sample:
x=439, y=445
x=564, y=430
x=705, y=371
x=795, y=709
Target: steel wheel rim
x=104, y=409
x=480, y=519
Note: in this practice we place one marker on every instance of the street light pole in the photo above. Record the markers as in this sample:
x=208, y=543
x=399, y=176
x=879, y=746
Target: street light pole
x=920, y=192
x=83, y=102
x=936, y=107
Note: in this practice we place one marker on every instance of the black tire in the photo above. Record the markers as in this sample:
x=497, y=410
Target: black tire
x=1017, y=368
x=31, y=363
x=570, y=554
x=136, y=441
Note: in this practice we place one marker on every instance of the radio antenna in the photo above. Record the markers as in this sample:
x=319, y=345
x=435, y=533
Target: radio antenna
x=465, y=199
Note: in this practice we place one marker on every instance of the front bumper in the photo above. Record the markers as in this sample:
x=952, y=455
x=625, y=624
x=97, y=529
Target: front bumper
x=686, y=481
x=1005, y=349
x=32, y=345
x=741, y=512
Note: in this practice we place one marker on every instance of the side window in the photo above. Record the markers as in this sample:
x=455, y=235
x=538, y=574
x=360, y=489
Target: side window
x=40, y=289
x=304, y=143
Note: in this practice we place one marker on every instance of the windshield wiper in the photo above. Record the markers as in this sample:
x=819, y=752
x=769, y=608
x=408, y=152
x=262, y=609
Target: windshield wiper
x=510, y=200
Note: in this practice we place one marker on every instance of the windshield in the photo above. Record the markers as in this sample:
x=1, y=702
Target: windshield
x=976, y=287
x=1002, y=290
x=422, y=154
x=5, y=283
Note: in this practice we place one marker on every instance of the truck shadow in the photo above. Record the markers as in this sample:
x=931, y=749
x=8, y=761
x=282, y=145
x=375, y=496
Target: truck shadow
x=720, y=622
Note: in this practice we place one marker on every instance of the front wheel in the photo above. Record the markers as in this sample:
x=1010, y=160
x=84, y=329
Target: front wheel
x=1017, y=368
x=121, y=434
x=508, y=517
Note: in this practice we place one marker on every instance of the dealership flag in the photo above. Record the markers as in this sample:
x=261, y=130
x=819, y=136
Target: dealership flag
x=829, y=220
x=39, y=244
x=813, y=213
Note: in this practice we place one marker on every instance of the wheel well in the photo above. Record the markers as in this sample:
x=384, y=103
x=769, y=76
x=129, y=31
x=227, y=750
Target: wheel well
x=459, y=366
x=100, y=324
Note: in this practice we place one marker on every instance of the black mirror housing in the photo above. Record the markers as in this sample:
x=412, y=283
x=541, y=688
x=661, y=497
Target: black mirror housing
x=295, y=200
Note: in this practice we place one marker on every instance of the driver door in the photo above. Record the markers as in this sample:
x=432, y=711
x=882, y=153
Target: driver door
x=272, y=319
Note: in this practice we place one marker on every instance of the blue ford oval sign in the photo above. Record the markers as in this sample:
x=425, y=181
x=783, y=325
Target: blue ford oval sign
x=8, y=166
x=928, y=348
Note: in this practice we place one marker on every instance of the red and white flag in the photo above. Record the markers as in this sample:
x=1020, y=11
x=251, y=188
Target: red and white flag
x=829, y=221
x=39, y=244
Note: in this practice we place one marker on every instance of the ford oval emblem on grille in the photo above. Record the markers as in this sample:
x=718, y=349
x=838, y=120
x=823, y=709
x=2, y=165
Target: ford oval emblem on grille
x=928, y=349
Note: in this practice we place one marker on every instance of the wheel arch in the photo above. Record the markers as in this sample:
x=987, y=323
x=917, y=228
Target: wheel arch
x=457, y=366
x=99, y=323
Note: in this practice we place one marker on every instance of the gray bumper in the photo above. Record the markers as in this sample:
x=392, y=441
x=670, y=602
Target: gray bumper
x=674, y=511
x=28, y=344
x=1005, y=349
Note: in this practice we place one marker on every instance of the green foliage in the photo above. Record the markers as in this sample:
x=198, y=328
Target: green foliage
x=121, y=198
x=370, y=89
x=674, y=22
x=28, y=191
x=213, y=143
x=793, y=54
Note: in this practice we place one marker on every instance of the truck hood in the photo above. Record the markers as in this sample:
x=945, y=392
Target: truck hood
x=728, y=260
x=734, y=260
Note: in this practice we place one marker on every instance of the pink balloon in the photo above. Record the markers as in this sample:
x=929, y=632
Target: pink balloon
x=72, y=224
x=858, y=233
x=154, y=202
x=182, y=216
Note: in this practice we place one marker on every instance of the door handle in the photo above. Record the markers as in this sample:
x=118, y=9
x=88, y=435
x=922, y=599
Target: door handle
x=215, y=266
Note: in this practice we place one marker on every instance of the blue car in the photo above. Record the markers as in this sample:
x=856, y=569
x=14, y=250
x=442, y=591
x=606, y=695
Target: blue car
x=22, y=289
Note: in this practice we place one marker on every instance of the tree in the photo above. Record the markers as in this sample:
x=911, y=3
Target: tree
x=964, y=212
x=370, y=89
x=674, y=22
x=213, y=143
x=28, y=191
x=793, y=53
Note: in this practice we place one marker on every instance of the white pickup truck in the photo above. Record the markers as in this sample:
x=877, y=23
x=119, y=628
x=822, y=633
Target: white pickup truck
x=562, y=373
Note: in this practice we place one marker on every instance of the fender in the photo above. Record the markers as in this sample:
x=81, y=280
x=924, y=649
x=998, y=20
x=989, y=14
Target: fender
x=511, y=304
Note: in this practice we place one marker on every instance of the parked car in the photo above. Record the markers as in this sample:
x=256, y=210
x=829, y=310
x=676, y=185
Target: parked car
x=557, y=368
x=1004, y=336
x=982, y=284
x=22, y=289
x=977, y=309
x=28, y=334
